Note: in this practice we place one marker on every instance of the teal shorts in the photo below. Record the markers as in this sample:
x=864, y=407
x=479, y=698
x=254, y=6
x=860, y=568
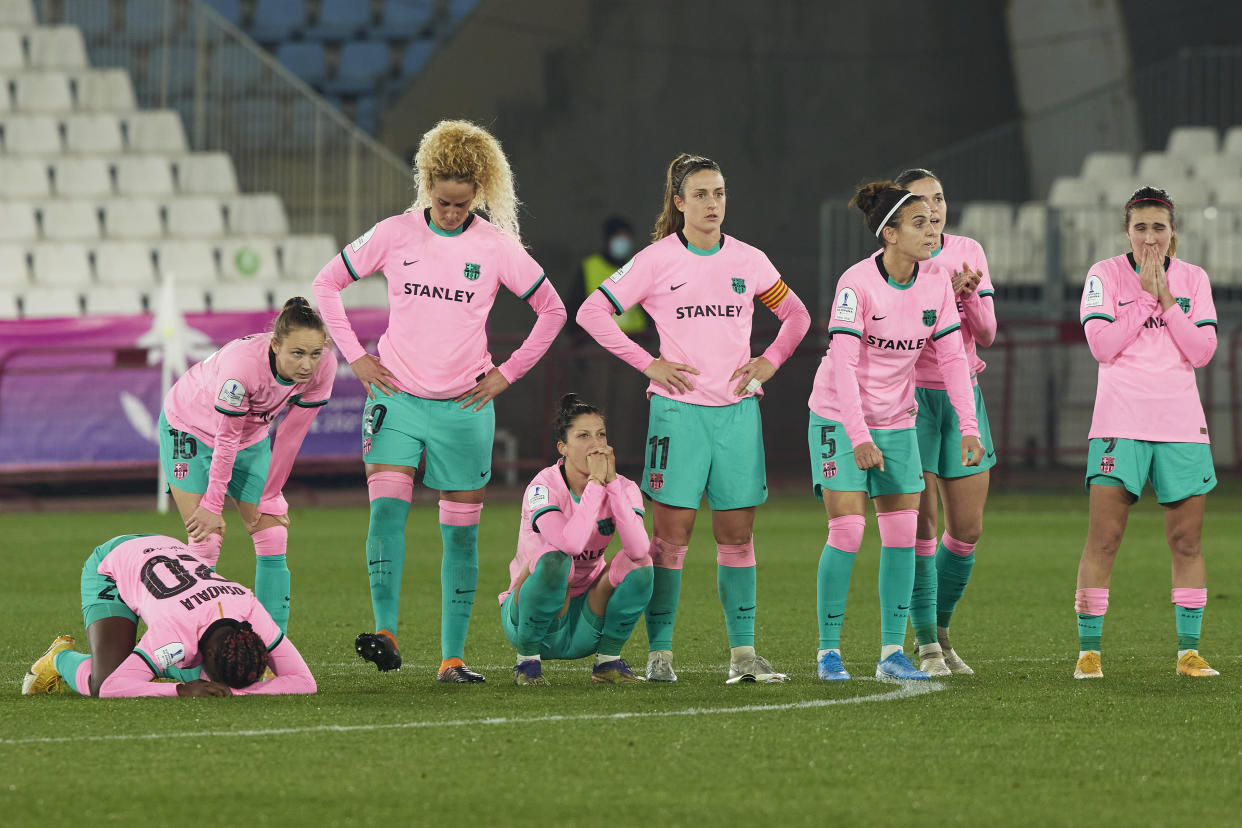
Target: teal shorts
x=398, y=429
x=99, y=597
x=833, y=467
x=695, y=448
x=575, y=634
x=1176, y=470
x=187, y=462
x=940, y=434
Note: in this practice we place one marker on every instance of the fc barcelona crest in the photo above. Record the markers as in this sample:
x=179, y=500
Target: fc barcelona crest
x=605, y=526
x=655, y=481
x=1107, y=464
x=472, y=271
x=1183, y=302
x=830, y=469
x=739, y=285
x=366, y=445
x=929, y=318
x=180, y=470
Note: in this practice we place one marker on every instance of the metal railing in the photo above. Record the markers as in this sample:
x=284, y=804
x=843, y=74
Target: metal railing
x=235, y=97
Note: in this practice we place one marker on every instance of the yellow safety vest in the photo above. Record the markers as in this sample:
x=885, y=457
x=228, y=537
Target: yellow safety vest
x=595, y=269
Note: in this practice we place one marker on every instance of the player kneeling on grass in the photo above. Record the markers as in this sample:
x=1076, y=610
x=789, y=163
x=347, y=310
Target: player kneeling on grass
x=564, y=599
x=209, y=635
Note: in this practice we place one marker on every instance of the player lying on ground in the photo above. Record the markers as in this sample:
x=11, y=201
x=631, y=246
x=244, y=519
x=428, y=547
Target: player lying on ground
x=197, y=622
x=564, y=599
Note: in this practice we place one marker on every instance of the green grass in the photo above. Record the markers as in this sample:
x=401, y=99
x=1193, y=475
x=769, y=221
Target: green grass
x=1020, y=743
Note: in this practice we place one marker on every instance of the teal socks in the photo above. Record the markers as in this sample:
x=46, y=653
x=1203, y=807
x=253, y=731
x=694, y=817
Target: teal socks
x=1189, y=624
x=67, y=663
x=271, y=587
x=953, y=573
x=896, y=586
x=923, y=599
x=736, y=585
x=662, y=609
x=624, y=609
x=459, y=578
x=540, y=598
x=1091, y=628
x=832, y=589
x=386, y=558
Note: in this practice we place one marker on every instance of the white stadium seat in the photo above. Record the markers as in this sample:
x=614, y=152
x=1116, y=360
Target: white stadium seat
x=68, y=220
x=17, y=221
x=1229, y=192
x=1073, y=192
x=82, y=178
x=14, y=267
x=260, y=214
x=56, y=47
x=1105, y=166
x=156, y=130
x=1215, y=166
x=31, y=135
x=8, y=304
x=249, y=259
x=132, y=218
x=124, y=263
x=986, y=219
x=42, y=92
x=16, y=13
x=206, y=173
x=105, y=90
x=51, y=303
x=187, y=262
x=144, y=175
x=250, y=296
x=1232, y=145
x=93, y=133
x=305, y=256
x=1118, y=191
x=192, y=217
x=62, y=264
x=1224, y=260
x=114, y=300
x=1191, y=142
x=1191, y=191
x=23, y=178
x=1157, y=169
x=1032, y=221
x=12, y=59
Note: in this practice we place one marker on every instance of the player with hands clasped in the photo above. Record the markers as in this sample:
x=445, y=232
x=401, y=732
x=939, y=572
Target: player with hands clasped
x=699, y=286
x=432, y=386
x=565, y=600
x=888, y=309
x=1150, y=322
x=943, y=567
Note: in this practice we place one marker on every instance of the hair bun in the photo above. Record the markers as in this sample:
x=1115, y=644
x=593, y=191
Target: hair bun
x=569, y=401
x=297, y=301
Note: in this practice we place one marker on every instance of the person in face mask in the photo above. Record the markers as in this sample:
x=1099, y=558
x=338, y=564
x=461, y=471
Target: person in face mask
x=617, y=250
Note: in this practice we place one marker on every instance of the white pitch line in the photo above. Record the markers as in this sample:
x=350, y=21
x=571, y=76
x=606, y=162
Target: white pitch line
x=902, y=690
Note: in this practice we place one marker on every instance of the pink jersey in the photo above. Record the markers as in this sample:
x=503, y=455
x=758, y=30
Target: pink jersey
x=1146, y=388
x=894, y=324
x=240, y=381
x=178, y=597
x=589, y=525
x=702, y=303
x=441, y=287
x=976, y=310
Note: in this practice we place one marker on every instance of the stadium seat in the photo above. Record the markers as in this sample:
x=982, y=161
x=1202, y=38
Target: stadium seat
x=416, y=55
x=105, y=90
x=986, y=219
x=366, y=114
x=1228, y=192
x=1118, y=191
x=156, y=130
x=31, y=135
x=458, y=9
x=206, y=173
x=94, y=133
x=17, y=13
x=362, y=64
x=1213, y=167
x=8, y=304
x=305, y=59
x=233, y=68
x=1191, y=142
x=64, y=264
x=250, y=296
x=187, y=261
x=81, y=177
x=1031, y=221
x=56, y=47
x=305, y=256
x=193, y=217
x=1073, y=192
x=277, y=20
x=181, y=63
x=1191, y=192
x=51, y=303
x=256, y=122
x=261, y=214
x=23, y=178
x=368, y=292
x=144, y=175
x=132, y=218
x=69, y=220
x=1224, y=260
x=117, y=301
x=1107, y=166
x=405, y=18
x=12, y=58
x=249, y=259
x=341, y=20
x=124, y=263
x=1232, y=145
x=17, y=221
x=1157, y=169
x=14, y=266
x=42, y=92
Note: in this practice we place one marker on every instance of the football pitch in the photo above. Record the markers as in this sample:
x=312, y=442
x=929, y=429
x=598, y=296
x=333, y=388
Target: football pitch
x=1019, y=743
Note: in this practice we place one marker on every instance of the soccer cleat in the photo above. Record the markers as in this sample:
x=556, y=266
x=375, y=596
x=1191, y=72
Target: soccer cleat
x=454, y=671
x=1088, y=666
x=380, y=649
x=528, y=674
x=753, y=669
x=42, y=677
x=898, y=668
x=830, y=668
x=955, y=664
x=614, y=672
x=932, y=660
x=1193, y=664
x=660, y=666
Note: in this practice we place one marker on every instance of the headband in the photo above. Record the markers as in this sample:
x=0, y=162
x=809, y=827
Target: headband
x=1150, y=198
x=900, y=201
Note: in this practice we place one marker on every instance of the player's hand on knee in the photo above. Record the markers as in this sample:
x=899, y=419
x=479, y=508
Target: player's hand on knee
x=201, y=688
x=972, y=451
x=673, y=377
x=869, y=456
x=202, y=523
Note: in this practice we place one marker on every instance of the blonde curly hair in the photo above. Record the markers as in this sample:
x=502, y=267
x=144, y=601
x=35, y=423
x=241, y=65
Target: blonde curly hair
x=463, y=151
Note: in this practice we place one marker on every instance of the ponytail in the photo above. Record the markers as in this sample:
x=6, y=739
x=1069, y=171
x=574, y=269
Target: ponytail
x=671, y=220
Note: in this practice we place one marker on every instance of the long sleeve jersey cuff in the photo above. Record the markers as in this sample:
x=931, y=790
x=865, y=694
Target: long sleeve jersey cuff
x=1197, y=343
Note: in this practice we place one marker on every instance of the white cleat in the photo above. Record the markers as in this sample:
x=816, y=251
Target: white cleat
x=955, y=664
x=754, y=669
x=660, y=666
x=932, y=660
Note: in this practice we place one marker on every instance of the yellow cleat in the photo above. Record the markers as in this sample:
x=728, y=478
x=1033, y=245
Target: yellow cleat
x=42, y=677
x=1192, y=664
x=1088, y=666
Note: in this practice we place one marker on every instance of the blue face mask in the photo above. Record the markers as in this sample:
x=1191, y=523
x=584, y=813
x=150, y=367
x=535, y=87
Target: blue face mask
x=620, y=248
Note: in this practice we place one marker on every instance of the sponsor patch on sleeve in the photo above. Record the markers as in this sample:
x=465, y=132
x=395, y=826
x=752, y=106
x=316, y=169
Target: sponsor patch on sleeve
x=1093, y=293
x=621, y=271
x=232, y=392
x=537, y=496
x=845, y=308
x=169, y=654
x=363, y=239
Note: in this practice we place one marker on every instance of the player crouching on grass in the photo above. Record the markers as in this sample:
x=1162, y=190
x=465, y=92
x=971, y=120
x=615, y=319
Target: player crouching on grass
x=564, y=599
x=209, y=635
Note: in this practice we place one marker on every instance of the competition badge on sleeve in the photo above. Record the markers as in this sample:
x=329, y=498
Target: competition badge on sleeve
x=1093, y=293
x=232, y=392
x=846, y=307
